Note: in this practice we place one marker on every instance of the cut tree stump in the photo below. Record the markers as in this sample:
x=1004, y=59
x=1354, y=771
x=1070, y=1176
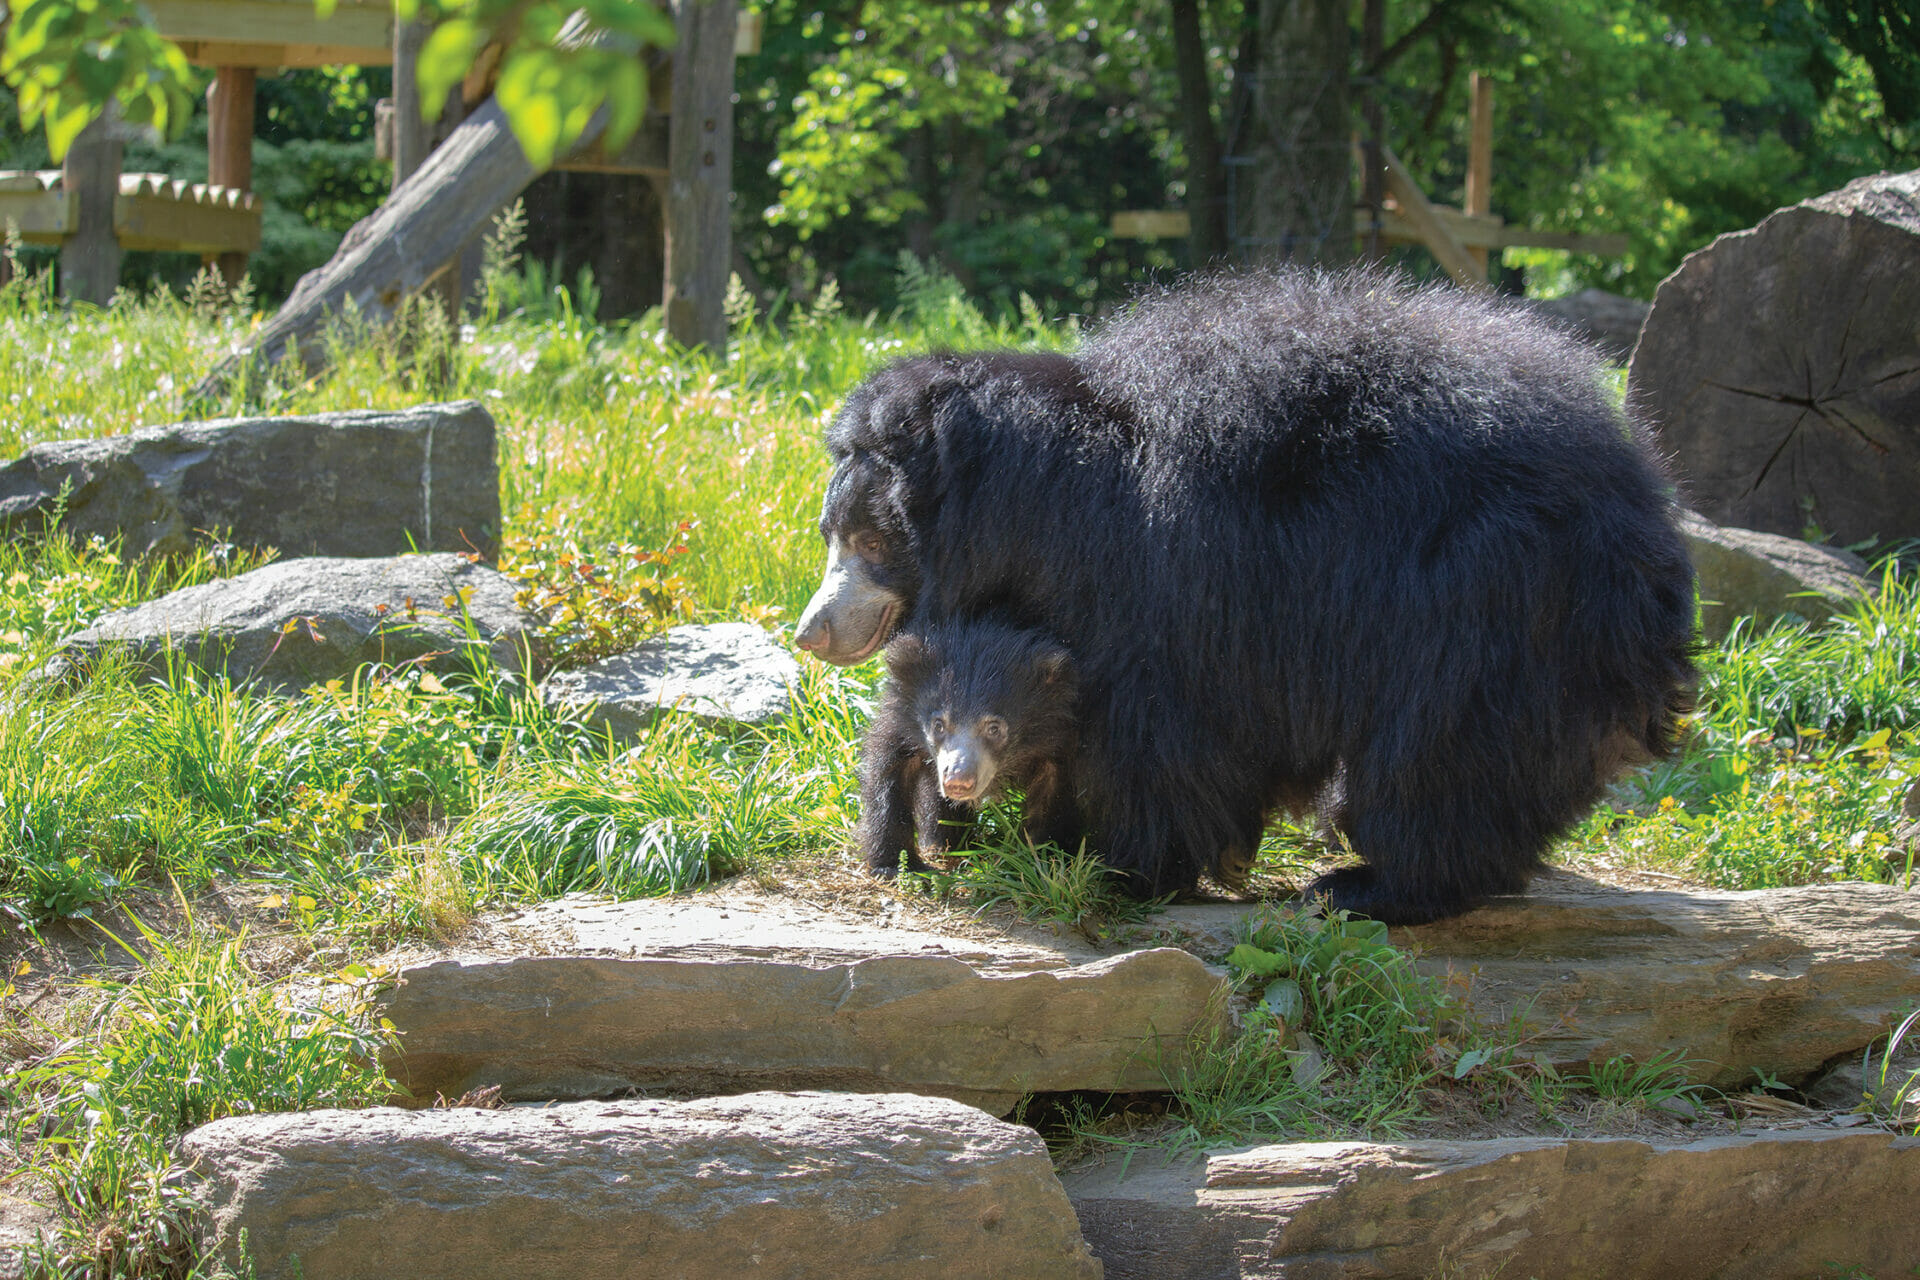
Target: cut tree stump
x=1781, y=367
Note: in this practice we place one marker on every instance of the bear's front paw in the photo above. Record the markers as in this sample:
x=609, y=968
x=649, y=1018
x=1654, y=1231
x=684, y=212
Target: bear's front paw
x=1363, y=892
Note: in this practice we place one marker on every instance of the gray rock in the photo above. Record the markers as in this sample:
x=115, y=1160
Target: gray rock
x=1774, y=980
x=1764, y=576
x=367, y=483
x=730, y=671
x=838, y=1187
x=1772, y=1207
x=345, y=612
x=1607, y=320
x=719, y=996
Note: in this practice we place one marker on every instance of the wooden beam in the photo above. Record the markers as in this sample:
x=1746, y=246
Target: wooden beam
x=274, y=57
x=153, y=211
x=35, y=204
x=1478, y=198
x=1490, y=233
x=700, y=175
x=90, y=255
x=1150, y=224
x=1605, y=244
x=1433, y=232
x=247, y=32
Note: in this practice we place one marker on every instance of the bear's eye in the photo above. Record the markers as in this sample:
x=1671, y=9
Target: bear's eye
x=994, y=729
x=939, y=726
x=868, y=545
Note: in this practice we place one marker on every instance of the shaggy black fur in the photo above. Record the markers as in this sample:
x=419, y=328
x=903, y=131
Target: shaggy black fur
x=1296, y=527
x=1011, y=692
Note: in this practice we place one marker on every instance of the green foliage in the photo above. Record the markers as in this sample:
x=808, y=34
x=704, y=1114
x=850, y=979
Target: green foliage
x=1799, y=757
x=194, y=1035
x=597, y=606
x=1892, y=1095
x=1662, y=1078
x=66, y=60
x=1343, y=1037
x=552, y=78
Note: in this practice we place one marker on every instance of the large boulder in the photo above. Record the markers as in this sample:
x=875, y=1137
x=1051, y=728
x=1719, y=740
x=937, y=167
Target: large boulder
x=732, y=672
x=1779, y=1206
x=364, y=483
x=723, y=994
x=1773, y=980
x=838, y=1187
x=1781, y=367
x=1764, y=576
x=302, y=622
x=1607, y=320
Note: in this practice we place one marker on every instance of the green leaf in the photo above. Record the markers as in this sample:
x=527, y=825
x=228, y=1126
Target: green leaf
x=444, y=61
x=1252, y=960
x=1286, y=1001
x=1470, y=1060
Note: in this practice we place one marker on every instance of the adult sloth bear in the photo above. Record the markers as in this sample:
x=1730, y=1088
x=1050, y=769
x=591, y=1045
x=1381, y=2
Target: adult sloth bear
x=1309, y=539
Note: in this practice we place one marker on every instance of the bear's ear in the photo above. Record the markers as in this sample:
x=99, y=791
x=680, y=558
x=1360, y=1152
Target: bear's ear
x=908, y=658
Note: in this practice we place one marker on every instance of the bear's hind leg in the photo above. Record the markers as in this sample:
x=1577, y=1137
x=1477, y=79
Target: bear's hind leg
x=1438, y=840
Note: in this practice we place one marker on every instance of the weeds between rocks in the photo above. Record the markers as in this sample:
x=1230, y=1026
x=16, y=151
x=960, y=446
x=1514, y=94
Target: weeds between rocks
x=308, y=834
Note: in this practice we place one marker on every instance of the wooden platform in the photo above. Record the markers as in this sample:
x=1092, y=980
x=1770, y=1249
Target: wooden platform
x=151, y=211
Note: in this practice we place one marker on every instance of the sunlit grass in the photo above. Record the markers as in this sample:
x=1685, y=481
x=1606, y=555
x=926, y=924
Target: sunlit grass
x=396, y=804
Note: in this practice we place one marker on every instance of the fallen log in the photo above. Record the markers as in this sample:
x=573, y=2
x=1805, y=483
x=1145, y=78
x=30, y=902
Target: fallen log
x=398, y=249
x=1781, y=368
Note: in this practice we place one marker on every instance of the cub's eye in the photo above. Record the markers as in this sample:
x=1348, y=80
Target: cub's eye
x=939, y=726
x=994, y=729
x=868, y=545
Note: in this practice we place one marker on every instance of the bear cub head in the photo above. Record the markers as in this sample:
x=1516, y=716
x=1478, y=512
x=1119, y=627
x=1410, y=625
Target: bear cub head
x=993, y=703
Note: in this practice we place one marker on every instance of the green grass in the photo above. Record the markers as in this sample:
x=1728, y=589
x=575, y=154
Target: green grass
x=644, y=485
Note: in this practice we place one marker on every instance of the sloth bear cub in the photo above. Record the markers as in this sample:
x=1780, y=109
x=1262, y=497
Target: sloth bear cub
x=971, y=709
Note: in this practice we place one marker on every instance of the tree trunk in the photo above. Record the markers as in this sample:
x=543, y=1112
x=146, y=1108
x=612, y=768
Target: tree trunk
x=700, y=177
x=1781, y=368
x=1206, y=197
x=398, y=249
x=1293, y=201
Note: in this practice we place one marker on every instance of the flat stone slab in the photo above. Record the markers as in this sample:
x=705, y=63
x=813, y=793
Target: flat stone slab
x=712, y=996
x=1784, y=1205
x=723, y=671
x=344, y=613
x=798, y=1186
x=362, y=483
x=1778, y=980
x=1764, y=576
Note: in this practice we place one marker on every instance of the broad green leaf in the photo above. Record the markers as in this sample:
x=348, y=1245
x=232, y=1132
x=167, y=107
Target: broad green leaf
x=1261, y=964
x=1286, y=1000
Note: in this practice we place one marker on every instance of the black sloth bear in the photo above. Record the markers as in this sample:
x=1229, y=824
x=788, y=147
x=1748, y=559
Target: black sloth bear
x=971, y=710
x=1311, y=539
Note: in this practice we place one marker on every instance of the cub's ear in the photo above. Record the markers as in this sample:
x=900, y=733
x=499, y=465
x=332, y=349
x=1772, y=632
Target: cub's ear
x=1055, y=665
x=909, y=657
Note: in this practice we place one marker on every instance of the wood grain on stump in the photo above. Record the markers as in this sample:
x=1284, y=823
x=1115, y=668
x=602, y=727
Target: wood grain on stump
x=1781, y=367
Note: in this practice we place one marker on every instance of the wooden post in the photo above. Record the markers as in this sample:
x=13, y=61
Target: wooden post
x=412, y=137
x=230, y=146
x=90, y=256
x=700, y=175
x=1479, y=193
x=1373, y=193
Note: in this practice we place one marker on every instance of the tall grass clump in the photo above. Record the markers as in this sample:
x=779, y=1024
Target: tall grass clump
x=1796, y=766
x=193, y=1036
x=1343, y=1037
